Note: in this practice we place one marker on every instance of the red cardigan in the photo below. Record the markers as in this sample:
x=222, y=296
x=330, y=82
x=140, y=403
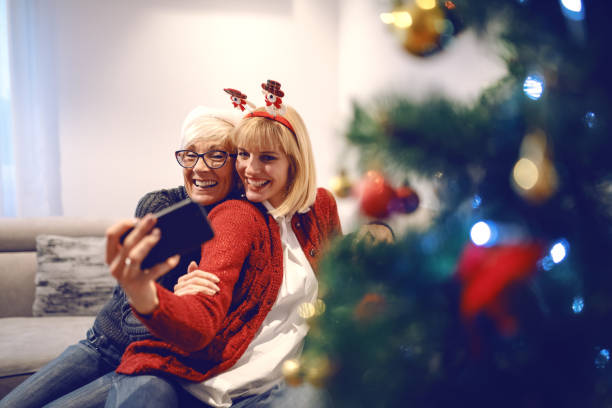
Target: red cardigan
x=199, y=336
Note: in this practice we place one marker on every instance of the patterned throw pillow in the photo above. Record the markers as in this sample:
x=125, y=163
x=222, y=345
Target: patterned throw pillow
x=72, y=278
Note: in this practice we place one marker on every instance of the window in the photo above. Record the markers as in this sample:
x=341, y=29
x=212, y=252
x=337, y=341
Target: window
x=7, y=162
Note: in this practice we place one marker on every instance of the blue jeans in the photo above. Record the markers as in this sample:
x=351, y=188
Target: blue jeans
x=159, y=392
x=80, y=377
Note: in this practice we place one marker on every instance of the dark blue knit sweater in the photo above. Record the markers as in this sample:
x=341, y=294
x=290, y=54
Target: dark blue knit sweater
x=115, y=321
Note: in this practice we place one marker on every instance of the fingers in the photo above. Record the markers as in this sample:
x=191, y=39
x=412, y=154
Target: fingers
x=142, y=247
x=192, y=266
x=142, y=228
x=193, y=291
x=197, y=281
x=127, y=258
x=199, y=274
x=113, y=233
x=116, y=252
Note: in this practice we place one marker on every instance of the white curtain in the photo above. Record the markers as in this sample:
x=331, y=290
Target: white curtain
x=7, y=164
x=31, y=183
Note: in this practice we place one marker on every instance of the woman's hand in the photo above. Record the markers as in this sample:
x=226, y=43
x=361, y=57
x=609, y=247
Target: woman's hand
x=124, y=261
x=196, y=281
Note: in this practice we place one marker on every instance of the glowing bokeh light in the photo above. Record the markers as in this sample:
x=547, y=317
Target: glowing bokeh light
x=476, y=201
x=603, y=358
x=572, y=5
x=525, y=174
x=402, y=19
x=590, y=119
x=306, y=310
x=480, y=233
x=558, y=252
x=572, y=9
x=533, y=87
x=547, y=263
x=387, y=18
x=426, y=4
x=578, y=304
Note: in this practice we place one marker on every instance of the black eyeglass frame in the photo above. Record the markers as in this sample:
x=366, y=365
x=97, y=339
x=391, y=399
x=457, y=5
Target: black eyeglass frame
x=202, y=156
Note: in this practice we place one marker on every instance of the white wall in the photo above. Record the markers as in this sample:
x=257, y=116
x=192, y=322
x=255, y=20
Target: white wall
x=372, y=61
x=127, y=72
x=372, y=65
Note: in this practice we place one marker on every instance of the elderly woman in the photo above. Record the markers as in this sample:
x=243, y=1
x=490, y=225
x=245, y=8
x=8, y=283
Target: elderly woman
x=82, y=375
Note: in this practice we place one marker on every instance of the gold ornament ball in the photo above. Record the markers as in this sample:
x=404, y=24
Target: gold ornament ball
x=534, y=176
x=292, y=371
x=341, y=185
x=423, y=26
x=318, y=371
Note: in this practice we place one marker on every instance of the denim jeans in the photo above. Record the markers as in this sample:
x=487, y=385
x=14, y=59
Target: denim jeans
x=158, y=392
x=151, y=391
x=83, y=377
x=302, y=396
x=80, y=377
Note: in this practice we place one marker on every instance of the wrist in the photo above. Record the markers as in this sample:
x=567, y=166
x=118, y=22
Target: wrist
x=144, y=301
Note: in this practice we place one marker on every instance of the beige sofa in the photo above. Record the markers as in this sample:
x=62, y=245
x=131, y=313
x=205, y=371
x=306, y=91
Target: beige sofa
x=27, y=342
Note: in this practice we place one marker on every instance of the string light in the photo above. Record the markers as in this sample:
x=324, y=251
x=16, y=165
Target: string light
x=558, y=252
x=572, y=9
x=590, y=119
x=578, y=304
x=533, y=87
x=603, y=358
x=476, y=201
x=481, y=233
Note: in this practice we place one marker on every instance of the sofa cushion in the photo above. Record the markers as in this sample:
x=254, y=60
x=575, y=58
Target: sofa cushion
x=28, y=343
x=72, y=278
x=17, y=272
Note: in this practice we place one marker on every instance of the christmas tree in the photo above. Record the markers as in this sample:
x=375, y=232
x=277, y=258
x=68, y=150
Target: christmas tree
x=506, y=299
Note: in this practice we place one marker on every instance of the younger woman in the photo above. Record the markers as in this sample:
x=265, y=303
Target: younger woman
x=228, y=349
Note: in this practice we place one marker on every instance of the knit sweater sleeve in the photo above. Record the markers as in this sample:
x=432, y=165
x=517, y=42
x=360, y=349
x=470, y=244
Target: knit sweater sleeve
x=327, y=202
x=150, y=203
x=191, y=321
x=334, y=218
x=153, y=202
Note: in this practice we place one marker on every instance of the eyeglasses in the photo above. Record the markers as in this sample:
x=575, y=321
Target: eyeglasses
x=213, y=159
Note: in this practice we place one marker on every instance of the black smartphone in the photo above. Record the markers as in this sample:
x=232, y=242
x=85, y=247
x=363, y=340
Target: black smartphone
x=184, y=227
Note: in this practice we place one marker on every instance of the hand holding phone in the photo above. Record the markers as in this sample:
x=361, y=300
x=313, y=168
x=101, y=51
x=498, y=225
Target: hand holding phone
x=184, y=227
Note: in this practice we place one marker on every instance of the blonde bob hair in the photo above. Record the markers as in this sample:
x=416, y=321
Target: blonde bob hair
x=212, y=125
x=263, y=134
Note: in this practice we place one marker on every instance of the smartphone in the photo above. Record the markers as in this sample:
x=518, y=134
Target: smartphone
x=184, y=227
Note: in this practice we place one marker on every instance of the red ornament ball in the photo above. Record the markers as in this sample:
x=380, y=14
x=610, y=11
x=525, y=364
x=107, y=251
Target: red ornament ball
x=406, y=202
x=376, y=195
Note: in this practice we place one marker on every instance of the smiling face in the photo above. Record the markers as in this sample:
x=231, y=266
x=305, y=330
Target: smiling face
x=208, y=186
x=264, y=173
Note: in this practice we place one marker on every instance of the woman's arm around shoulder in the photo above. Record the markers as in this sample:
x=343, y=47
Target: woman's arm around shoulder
x=192, y=321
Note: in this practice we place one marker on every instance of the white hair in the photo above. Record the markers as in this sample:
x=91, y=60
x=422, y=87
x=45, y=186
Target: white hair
x=208, y=123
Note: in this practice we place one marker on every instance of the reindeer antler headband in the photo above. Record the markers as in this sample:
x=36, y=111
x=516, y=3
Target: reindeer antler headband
x=274, y=104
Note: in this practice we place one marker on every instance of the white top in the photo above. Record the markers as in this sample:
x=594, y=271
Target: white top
x=280, y=337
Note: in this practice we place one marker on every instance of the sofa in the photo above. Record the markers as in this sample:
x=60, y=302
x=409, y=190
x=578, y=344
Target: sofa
x=40, y=317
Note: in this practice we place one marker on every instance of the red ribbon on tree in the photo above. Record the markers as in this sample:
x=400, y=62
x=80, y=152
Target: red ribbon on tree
x=487, y=272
